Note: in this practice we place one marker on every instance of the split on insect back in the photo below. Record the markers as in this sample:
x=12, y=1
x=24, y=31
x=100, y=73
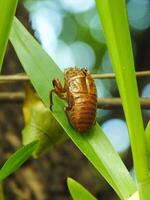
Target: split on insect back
x=79, y=91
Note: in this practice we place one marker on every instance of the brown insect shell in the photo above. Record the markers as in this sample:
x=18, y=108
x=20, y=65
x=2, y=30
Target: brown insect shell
x=81, y=97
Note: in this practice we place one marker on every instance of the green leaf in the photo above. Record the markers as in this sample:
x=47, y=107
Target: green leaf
x=135, y=196
x=94, y=145
x=144, y=189
x=49, y=133
x=114, y=19
x=147, y=135
x=16, y=160
x=7, y=12
x=77, y=191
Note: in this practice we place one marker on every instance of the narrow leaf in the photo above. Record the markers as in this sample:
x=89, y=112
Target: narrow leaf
x=16, y=160
x=77, y=191
x=94, y=145
x=114, y=19
x=7, y=12
x=147, y=135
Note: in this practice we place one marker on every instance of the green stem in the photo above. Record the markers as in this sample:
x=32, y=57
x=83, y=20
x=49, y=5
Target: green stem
x=7, y=12
x=114, y=20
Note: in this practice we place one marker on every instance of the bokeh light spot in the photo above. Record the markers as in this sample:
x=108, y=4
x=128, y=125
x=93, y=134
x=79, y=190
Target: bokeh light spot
x=117, y=132
x=78, y=5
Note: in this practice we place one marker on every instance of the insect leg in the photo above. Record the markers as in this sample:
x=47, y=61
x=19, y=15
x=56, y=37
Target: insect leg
x=57, y=84
x=58, y=93
x=58, y=90
x=51, y=98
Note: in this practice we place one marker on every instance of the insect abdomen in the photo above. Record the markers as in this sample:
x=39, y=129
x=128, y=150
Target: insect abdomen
x=82, y=114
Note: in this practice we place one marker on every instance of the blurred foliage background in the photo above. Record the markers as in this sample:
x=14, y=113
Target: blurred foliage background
x=71, y=34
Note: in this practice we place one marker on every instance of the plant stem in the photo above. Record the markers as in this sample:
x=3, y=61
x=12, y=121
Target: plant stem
x=102, y=103
x=115, y=103
x=112, y=75
x=7, y=12
x=12, y=97
x=113, y=16
x=14, y=77
x=24, y=77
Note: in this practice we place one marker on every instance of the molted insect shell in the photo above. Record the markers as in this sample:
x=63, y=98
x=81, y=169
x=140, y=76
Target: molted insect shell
x=80, y=93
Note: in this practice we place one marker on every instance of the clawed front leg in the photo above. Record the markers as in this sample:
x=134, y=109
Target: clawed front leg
x=58, y=90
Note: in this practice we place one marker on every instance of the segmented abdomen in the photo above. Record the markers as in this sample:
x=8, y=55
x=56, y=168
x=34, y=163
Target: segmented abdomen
x=83, y=113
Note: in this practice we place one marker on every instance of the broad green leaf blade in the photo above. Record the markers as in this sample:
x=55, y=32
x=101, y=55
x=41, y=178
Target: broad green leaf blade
x=114, y=20
x=78, y=192
x=16, y=160
x=94, y=145
x=7, y=12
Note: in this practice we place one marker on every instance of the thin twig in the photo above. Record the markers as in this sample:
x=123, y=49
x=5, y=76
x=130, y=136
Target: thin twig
x=114, y=103
x=102, y=103
x=24, y=77
x=112, y=75
x=15, y=77
x=12, y=97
